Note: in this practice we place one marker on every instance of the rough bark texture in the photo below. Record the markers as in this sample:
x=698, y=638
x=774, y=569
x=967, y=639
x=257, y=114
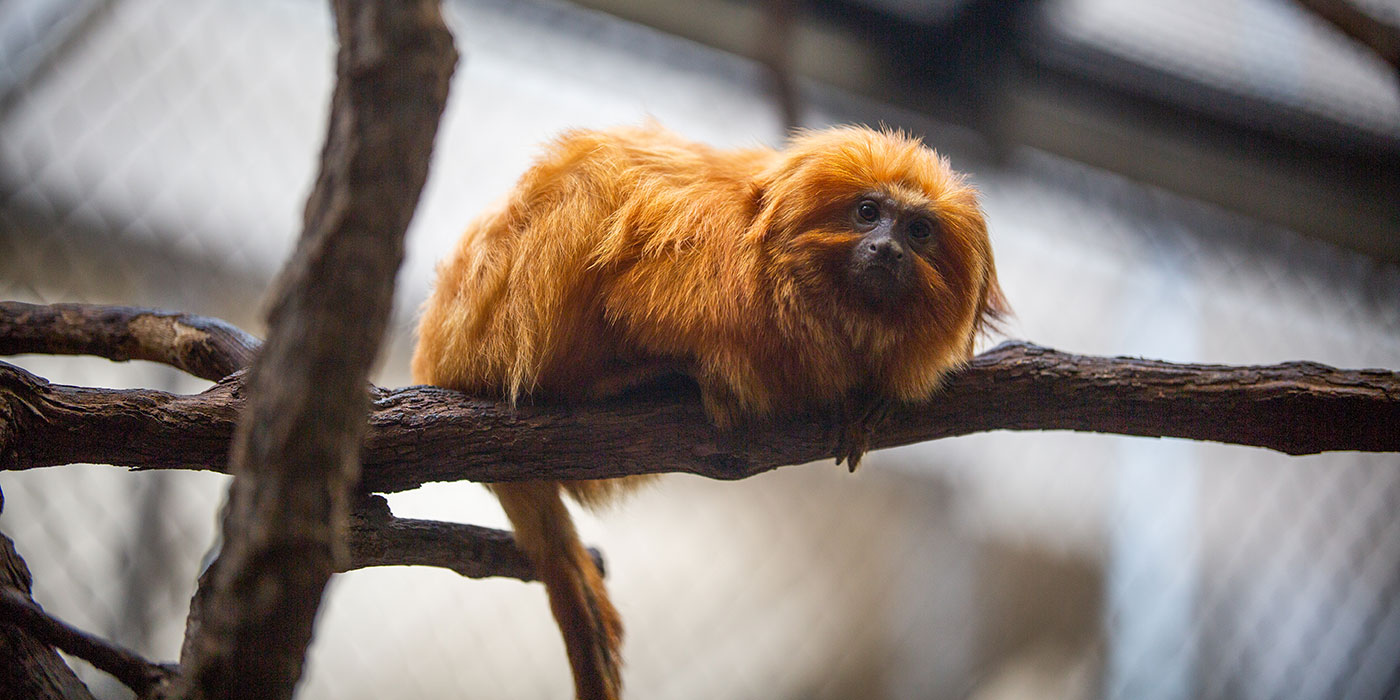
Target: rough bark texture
x=142, y=676
x=424, y=434
x=205, y=347
x=295, y=448
x=377, y=538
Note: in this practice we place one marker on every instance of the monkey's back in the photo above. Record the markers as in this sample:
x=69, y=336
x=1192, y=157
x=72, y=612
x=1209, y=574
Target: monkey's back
x=542, y=293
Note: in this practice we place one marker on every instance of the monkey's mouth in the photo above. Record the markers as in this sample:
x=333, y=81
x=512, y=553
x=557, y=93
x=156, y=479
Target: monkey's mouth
x=877, y=283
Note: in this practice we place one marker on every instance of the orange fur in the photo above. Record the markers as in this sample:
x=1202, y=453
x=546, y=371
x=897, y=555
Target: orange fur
x=629, y=253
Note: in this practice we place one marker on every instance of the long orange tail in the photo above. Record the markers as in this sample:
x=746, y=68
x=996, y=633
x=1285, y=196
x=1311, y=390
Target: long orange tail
x=591, y=627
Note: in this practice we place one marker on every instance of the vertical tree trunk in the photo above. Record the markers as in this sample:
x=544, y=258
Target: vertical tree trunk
x=296, y=446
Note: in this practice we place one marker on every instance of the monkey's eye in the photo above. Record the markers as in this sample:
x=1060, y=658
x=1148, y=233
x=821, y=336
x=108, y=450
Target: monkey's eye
x=868, y=211
x=920, y=230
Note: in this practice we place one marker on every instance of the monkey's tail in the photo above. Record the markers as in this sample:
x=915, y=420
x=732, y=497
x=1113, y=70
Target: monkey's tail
x=590, y=625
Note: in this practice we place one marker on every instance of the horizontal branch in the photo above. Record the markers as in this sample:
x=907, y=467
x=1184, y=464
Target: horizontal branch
x=204, y=347
x=378, y=538
x=424, y=434
x=212, y=348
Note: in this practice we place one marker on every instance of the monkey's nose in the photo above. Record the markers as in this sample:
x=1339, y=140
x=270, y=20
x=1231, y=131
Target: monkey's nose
x=886, y=250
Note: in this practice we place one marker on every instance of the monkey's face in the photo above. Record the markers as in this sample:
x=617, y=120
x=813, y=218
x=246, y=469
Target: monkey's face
x=879, y=237
x=883, y=264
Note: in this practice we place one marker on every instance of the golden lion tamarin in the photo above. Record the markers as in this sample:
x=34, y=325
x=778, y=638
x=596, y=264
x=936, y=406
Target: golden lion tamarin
x=848, y=270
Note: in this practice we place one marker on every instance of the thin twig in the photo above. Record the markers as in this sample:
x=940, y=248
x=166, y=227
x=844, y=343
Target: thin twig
x=123, y=664
x=31, y=669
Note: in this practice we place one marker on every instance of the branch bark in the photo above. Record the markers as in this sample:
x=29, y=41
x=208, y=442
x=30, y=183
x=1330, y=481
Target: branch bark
x=203, y=347
x=377, y=538
x=207, y=348
x=294, y=451
x=419, y=435
x=135, y=672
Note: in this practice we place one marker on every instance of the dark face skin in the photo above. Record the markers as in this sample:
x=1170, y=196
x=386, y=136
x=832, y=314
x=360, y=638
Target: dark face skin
x=882, y=263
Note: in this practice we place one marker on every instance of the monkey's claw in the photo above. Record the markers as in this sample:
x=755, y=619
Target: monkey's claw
x=851, y=445
x=856, y=422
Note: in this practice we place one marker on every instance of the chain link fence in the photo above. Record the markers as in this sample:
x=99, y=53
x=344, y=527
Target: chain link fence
x=156, y=153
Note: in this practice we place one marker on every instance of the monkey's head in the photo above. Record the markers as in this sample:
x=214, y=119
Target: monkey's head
x=878, y=228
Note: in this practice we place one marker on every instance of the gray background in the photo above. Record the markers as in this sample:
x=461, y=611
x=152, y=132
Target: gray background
x=162, y=160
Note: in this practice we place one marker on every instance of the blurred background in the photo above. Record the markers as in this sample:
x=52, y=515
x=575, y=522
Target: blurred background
x=1201, y=181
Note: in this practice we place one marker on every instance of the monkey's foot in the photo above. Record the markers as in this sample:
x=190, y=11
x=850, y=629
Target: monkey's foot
x=856, y=421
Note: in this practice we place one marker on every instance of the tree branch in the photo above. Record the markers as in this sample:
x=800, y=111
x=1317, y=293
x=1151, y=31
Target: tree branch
x=44, y=424
x=419, y=435
x=377, y=538
x=29, y=667
x=294, y=451
x=130, y=668
x=204, y=347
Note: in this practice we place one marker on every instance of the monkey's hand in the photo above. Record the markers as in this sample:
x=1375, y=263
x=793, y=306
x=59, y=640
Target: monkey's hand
x=857, y=418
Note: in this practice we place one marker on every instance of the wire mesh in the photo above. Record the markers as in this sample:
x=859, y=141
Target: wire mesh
x=160, y=160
